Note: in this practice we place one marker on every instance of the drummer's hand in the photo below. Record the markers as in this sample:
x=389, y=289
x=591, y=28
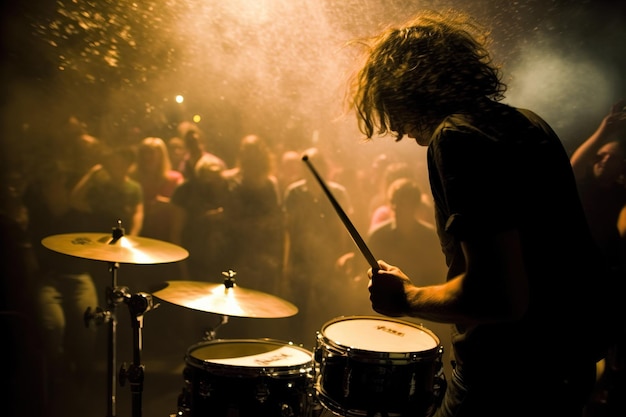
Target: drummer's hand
x=388, y=287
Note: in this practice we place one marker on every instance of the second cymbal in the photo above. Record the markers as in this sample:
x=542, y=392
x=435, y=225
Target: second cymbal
x=229, y=301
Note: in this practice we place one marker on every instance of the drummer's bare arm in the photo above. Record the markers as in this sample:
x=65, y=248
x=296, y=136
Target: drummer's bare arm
x=493, y=288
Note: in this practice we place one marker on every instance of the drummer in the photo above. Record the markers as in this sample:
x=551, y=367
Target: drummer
x=509, y=220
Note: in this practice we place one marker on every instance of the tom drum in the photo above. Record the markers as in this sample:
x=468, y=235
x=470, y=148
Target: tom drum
x=247, y=378
x=370, y=365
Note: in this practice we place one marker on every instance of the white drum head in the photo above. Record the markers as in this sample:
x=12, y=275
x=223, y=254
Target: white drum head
x=251, y=353
x=379, y=335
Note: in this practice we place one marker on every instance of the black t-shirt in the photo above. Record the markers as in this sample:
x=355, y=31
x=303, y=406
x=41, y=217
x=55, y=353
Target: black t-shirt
x=503, y=169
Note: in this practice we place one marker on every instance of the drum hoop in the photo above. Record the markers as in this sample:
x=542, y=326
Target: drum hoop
x=255, y=371
x=388, y=357
x=377, y=356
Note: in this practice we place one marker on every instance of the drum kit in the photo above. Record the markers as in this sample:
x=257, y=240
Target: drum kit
x=361, y=366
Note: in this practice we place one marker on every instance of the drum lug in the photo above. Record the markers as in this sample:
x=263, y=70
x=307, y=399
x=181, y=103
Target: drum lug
x=286, y=410
x=187, y=375
x=317, y=355
x=440, y=383
x=262, y=392
x=412, y=384
x=205, y=389
x=184, y=403
x=347, y=376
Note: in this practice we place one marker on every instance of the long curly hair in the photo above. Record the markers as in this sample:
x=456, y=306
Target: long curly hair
x=434, y=65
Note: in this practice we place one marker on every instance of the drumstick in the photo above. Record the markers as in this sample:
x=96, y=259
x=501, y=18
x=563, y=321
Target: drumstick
x=344, y=218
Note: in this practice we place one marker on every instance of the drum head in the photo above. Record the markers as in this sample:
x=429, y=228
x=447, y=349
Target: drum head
x=248, y=353
x=379, y=334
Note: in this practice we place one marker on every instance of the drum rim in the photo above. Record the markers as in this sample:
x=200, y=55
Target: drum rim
x=247, y=340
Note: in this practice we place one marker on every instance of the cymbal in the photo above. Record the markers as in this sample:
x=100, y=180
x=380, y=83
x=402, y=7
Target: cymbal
x=126, y=249
x=228, y=301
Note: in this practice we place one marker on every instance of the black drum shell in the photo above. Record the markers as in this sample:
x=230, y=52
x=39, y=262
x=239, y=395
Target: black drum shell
x=359, y=382
x=219, y=390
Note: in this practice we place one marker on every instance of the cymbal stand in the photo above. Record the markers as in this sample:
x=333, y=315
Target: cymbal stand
x=138, y=304
x=114, y=296
x=211, y=332
x=229, y=282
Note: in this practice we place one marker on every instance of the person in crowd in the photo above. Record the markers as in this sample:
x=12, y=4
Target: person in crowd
x=316, y=240
x=377, y=182
x=153, y=171
x=202, y=224
x=66, y=288
x=522, y=266
x=109, y=195
x=73, y=144
x=202, y=208
x=599, y=164
x=380, y=208
x=177, y=153
x=396, y=238
x=289, y=170
x=27, y=369
x=195, y=149
x=257, y=219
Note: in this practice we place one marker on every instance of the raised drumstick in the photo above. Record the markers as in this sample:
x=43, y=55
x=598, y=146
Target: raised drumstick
x=344, y=218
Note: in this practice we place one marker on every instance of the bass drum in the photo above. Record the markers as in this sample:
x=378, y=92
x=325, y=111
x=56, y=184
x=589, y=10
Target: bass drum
x=247, y=378
x=370, y=365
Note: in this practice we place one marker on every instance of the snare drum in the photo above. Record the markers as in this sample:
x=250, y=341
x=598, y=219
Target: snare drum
x=247, y=378
x=369, y=365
